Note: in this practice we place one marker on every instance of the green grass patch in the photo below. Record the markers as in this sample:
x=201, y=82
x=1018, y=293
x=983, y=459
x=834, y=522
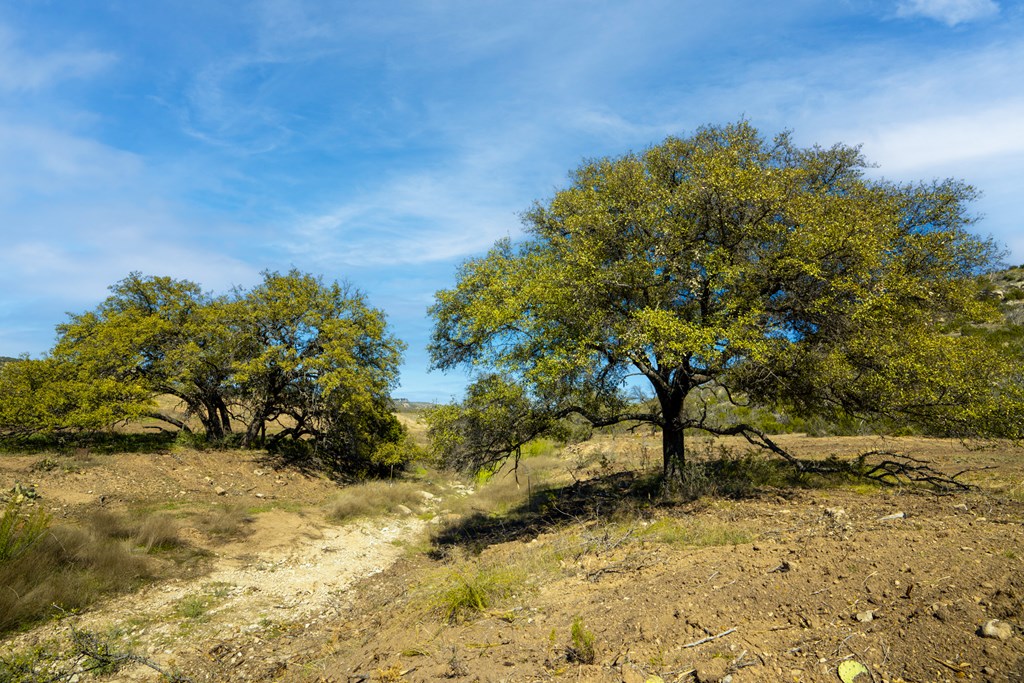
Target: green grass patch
x=466, y=592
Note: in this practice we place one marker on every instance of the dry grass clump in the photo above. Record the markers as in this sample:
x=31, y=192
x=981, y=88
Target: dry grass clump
x=67, y=568
x=150, y=532
x=224, y=522
x=373, y=498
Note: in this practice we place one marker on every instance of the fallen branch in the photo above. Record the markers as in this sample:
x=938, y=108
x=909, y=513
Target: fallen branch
x=709, y=638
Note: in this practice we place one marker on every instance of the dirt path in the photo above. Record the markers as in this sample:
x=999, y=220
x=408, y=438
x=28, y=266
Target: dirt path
x=287, y=578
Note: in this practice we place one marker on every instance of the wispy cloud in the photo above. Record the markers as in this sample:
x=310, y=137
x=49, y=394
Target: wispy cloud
x=949, y=12
x=25, y=70
x=45, y=161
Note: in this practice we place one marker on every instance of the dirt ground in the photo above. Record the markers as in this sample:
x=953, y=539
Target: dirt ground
x=770, y=583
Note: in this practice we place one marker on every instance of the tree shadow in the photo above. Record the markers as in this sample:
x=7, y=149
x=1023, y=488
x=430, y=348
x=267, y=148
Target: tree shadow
x=550, y=508
x=93, y=442
x=629, y=494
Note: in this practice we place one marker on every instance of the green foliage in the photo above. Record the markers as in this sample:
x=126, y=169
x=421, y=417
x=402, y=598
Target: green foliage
x=582, y=648
x=777, y=275
x=53, y=395
x=496, y=419
x=306, y=367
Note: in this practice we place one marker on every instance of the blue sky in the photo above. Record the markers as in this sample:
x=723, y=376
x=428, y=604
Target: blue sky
x=385, y=142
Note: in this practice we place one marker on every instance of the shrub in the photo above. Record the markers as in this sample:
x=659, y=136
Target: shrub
x=582, y=648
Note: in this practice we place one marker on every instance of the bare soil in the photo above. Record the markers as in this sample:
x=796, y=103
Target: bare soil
x=775, y=582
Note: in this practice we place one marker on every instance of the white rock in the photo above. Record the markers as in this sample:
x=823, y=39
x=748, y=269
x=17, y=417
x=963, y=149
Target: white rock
x=1000, y=630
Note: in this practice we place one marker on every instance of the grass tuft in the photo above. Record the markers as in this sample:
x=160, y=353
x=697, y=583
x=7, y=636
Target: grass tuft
x=20, y=530
x=464, y=594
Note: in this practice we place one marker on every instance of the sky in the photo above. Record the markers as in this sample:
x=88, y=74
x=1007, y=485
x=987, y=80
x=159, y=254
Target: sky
x=385, y=142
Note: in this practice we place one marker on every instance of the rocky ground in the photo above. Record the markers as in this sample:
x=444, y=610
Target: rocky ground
x=770, y=581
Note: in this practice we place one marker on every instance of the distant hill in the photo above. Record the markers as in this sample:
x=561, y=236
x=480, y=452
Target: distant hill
x=1008, y=287
x=6, y=359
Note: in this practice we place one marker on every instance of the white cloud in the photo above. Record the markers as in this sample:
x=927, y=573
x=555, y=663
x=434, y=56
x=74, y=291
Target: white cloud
x=988, y=131
x=949, y=12
x=46, y=161
x=415, y=219
x=21, y=70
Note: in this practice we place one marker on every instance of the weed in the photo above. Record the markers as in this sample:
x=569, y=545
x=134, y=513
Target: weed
x=390, y=674
x=193, y=607
x=224, y=522
x=581, y=650
x=465, y=594
x=680, y=532
x=157, y=532
x=219, y=589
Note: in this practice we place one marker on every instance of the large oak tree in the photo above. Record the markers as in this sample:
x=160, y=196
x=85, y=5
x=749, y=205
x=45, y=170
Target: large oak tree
x=732, y=264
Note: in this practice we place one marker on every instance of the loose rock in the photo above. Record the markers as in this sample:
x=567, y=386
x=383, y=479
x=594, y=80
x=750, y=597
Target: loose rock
x=1000, y=630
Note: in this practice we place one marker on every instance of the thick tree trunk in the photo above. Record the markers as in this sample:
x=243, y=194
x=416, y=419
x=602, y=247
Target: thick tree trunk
x=673, y=447
x=673, y=438
x=225, y=416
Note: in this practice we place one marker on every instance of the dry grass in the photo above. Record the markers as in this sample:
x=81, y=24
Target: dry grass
x=224, y=522
x=373, y=498
x=67, y=569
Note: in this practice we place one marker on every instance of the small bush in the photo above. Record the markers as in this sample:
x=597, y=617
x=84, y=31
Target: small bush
x=582, y=648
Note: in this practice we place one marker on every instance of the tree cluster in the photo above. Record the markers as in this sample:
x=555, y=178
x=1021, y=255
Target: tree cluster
x=292, y=364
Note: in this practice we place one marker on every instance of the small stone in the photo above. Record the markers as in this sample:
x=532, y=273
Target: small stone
x=892, y=517
x=402, y=509
x=220, y=491
x=1000, y=630
x=865, y=617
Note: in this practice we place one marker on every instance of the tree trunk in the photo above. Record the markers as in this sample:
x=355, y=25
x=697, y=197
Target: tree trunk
x=211, y=422
x=225, y=417
x=673, y=442
x=673, y=437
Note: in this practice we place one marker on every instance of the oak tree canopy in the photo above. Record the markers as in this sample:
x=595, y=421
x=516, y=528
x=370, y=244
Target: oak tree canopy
x=731, y=265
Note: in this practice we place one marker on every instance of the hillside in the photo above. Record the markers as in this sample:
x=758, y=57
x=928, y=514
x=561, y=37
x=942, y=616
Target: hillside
x=570, y=570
